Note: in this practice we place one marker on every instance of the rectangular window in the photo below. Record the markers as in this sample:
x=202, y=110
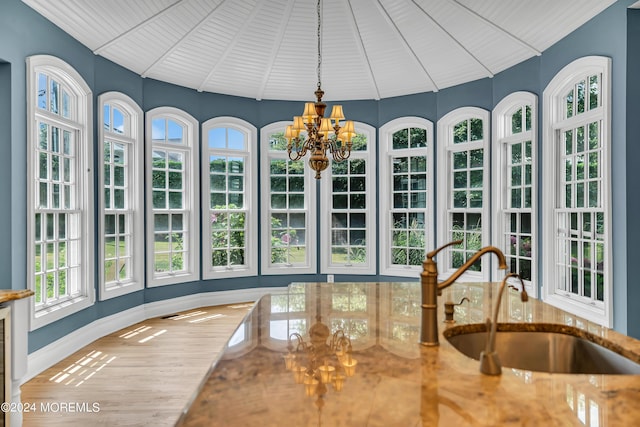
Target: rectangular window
x=172, y=192
x=581, y=218
x=406, y=176
x=288, y=203
x=58, y=218
x=121, y=175
x=229, y=200
x=118, y=216
x=348, y=246
x=464, y=191
x=60, y=188
x=515, y=119
x=168, y=173
x=577, y=248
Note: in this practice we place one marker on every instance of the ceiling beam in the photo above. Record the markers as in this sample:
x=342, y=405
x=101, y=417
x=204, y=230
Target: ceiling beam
x=275, y=48
x=363, y=51
x=169, y=51
x=231, y=45
x=497, y=27
x=408, y=46
x=453, y=38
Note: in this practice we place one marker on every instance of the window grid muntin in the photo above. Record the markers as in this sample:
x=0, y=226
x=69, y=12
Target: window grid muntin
x=466, y=157
x=176, y=232
x=579, y=100
x=581, y=231
x=62, y=247
x=58, y=222
x=280, y=257
x=465, y=226
x=55, y=97
x=518, y=237
x=349, y=210
x=580, y=148
x=288, y=220
x=408, y=202
x=406, y=211
x=555, y=122
x=222, y=216
x=580, y=244
x=518, y=241
x=117, y=155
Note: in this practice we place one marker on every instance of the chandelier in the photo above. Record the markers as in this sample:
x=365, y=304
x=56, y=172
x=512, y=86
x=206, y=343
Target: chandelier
x=318, y=363
x=322, y=133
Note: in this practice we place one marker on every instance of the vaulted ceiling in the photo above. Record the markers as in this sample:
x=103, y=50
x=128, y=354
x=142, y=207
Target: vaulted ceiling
x=267, y=49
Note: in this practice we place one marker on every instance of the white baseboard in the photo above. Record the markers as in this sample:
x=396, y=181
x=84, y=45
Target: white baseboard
x=47, y=356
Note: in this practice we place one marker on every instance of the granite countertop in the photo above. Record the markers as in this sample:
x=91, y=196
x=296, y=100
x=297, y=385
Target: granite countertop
x=10, y=294
x=399, y=382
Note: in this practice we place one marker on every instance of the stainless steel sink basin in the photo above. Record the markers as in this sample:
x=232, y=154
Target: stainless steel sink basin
x=550, y=348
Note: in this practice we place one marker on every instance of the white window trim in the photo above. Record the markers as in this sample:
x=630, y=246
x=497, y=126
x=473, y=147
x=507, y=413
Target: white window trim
x=251, y=198
x=369, y=267
x=386, y=151
x=265, y=235
x=84, y=97
x=135, y=199
x=445, y=146
x=192, y=269
x=500, y=131
x=552, y=118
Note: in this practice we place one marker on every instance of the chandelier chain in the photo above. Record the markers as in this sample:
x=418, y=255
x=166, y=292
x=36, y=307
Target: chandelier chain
x=319, y=46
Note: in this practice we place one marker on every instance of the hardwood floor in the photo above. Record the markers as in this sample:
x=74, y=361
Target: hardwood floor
x=143, y=375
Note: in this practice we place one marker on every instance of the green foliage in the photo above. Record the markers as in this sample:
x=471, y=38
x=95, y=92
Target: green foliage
x=177, y=257
x=410, y=138
x=227, y=236
x=408, y=244
x=280, y=244
x=50, y=278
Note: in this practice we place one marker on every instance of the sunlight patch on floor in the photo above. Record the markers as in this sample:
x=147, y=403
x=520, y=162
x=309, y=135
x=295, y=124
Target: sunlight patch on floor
x=138, y=330
x=205, y=318
x=82, y=369
x=152, y=336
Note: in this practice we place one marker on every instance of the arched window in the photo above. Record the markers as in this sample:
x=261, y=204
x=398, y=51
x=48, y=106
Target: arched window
x=230, y=201
x=60, y=188
x=406, y=195
x=463, y=189
x=576, y=190
x=173, y=230
x=288, y=208
x=515, y=185
x=121, y=221
x=348, y=199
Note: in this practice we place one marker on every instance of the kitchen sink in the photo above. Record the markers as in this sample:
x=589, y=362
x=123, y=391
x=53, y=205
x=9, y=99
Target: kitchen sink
x=545, y=348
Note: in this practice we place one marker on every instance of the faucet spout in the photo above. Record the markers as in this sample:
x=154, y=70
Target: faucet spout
x=431, y=289
x=502, y=264
x=489, y=361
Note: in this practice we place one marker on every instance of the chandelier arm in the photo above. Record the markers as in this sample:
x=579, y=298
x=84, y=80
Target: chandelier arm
x=300, y=149
x=300, y=341
x=340, y=154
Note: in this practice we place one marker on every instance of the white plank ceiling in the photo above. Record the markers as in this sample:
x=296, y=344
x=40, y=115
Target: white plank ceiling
x=267, y=49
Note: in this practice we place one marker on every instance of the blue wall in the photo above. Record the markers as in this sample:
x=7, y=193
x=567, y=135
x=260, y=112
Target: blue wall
x=630, y=298
x=23, y=32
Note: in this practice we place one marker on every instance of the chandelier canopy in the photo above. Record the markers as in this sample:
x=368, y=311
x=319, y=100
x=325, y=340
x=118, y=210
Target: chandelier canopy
x=322, y=133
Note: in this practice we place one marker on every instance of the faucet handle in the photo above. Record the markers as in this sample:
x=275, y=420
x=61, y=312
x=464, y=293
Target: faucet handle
x=449, y=310
x=434, y=252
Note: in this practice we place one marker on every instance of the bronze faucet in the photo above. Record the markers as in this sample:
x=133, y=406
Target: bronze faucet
x=431, y=288
x=489, y=361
